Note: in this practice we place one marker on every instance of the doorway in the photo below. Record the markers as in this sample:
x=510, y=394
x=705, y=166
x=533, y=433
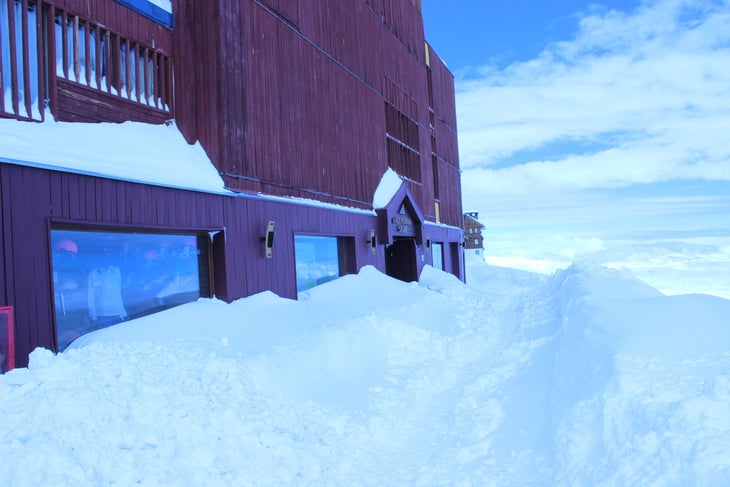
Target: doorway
x=400, y=260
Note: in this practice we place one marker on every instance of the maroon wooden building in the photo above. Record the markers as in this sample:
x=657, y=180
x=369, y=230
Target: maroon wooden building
x=301, y=106
x=473, y=238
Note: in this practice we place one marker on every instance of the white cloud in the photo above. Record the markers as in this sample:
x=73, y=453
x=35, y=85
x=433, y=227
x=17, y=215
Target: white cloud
x=647, y=91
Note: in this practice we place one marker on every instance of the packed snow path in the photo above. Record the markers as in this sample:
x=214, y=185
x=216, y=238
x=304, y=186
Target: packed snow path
x=586, y=377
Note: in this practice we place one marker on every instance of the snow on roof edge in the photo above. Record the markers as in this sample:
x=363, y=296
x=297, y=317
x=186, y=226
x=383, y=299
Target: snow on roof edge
x=129, y=151
x=389, y=185
x=442, y=225
x=51, y=167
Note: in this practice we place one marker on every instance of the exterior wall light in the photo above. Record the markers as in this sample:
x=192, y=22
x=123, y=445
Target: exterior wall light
x=269, y=239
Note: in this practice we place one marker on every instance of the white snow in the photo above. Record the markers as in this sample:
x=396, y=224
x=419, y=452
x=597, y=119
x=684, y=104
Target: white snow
x=130, y=151
x=584, y=377
x=138, y=152
x=389, y=185
x=165, y=5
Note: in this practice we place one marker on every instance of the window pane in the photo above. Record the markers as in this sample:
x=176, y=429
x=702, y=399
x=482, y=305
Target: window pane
x=317, y=260
x=5, y=52
x=437, y=253
x=103, y=278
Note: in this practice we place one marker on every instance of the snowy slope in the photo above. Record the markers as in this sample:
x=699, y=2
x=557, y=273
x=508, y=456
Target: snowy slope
x=585, y=377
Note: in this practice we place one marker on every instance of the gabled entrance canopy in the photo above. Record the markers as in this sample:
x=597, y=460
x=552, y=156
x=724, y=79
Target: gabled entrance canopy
x=400, y=218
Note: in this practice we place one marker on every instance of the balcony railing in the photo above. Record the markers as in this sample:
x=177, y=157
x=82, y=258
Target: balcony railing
x=40, y=43
x=19, y=56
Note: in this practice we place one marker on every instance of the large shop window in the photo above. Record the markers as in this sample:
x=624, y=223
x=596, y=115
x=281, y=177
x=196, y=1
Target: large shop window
x=321, y=259
x=104, y=278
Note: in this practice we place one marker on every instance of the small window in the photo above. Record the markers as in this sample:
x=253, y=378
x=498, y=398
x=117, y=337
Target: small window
x=104, y=278
x=320, y=259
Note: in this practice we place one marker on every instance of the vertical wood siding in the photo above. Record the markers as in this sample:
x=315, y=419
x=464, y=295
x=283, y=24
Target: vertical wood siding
x=312, y=129
x=48, y=197
x=120, y=19
x=51, y=198
x=6, y=264
x=443, y=104
x=286, y=96
x=25, y=249
x=290, y=98
x=450, y=192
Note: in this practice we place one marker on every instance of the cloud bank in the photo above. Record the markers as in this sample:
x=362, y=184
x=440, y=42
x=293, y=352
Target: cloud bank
x=634, y=98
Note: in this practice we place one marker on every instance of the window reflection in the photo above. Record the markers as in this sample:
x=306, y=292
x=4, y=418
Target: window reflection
x=103, y=278
x=317, y=260
x=437, y=254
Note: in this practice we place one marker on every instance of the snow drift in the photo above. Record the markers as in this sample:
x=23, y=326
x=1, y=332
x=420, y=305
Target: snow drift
x=586, y=377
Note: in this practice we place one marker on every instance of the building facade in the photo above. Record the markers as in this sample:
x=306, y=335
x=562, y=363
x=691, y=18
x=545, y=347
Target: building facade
x=473, y=238
x=303, y=109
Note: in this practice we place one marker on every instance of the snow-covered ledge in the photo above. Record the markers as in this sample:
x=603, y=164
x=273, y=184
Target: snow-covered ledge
x=130, y=151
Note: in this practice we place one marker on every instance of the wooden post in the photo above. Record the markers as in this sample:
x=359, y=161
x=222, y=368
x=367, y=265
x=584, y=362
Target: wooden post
x=51, y=62
x=76, y=56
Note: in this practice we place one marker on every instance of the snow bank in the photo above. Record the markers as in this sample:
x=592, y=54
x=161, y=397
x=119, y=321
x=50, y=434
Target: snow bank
x=585, y=377
x=640, y=386
x=130, y=151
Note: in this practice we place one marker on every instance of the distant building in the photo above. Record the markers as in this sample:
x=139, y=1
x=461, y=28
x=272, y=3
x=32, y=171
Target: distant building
x=473, y=238
x=301, y=108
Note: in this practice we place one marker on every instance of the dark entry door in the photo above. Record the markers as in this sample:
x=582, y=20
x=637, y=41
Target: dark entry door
x=400, y=261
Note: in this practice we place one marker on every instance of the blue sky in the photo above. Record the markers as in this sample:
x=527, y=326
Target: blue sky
x=479, y=32
x=585, y=122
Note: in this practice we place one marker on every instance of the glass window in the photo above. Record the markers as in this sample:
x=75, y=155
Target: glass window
x=103, y=278
x=437, y=253
x=26, y=49
x=5, y=27
x=318, y=260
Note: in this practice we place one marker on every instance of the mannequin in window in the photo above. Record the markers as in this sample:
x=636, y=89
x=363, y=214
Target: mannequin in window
x=106, y=306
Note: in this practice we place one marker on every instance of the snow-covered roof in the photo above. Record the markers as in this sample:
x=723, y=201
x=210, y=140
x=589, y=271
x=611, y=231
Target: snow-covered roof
x=389, y=185
x=468, y=217
x=130, y=151
x=141, y=153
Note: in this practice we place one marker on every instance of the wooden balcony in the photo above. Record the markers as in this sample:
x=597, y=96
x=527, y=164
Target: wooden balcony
x=82, y=70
